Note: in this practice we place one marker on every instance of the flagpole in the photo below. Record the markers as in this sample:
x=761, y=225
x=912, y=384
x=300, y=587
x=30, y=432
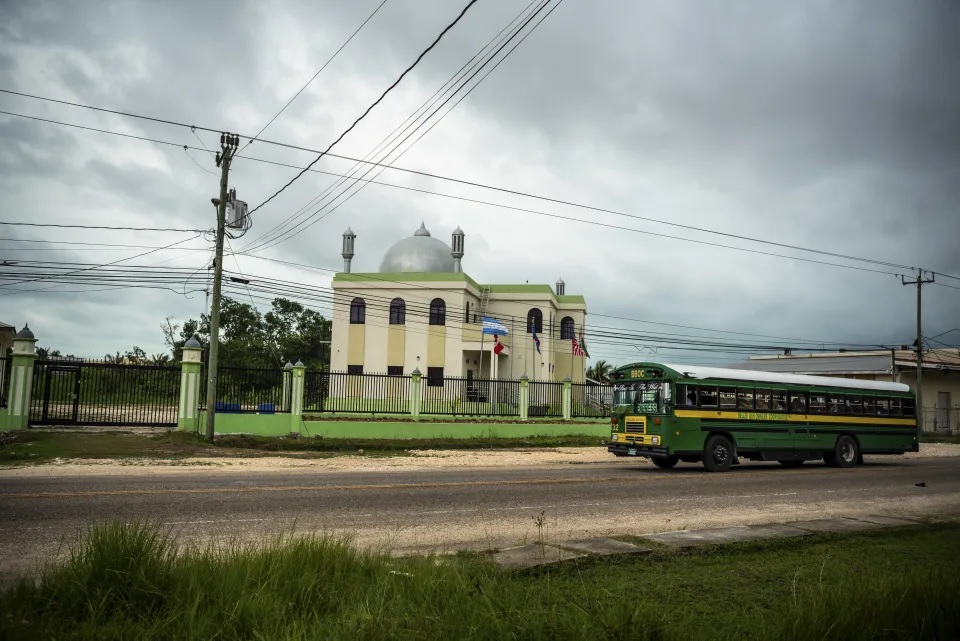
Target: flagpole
x=513, y=328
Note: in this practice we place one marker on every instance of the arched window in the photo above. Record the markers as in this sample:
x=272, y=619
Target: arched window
x=566, y=328
x=398, y=312
x=438, y=312
x=535, y=321
x=466, y=312
x=358, y=312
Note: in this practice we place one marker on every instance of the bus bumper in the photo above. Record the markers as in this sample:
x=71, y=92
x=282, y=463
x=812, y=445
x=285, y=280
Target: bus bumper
x=630, y=449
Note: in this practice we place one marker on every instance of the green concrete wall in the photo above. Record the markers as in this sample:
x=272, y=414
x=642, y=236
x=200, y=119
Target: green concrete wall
x=261, y=424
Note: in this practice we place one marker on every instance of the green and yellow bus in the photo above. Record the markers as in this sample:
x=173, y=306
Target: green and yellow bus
x=715, y=416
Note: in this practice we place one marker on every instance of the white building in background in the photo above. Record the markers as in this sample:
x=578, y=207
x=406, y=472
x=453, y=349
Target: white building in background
x=421, y=311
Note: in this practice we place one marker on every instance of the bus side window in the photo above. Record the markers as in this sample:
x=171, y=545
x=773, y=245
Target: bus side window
x=687, y=395
x=779, y=401
x=883, y=406
x=818, y=404
x=728, y=398
x=869, y=406
x=708, y=397
x=835, y=405
x=908, y=407
x=854, y=405
x=798, y=402
x=896, y=407
x=745, y=399
x=763, y=399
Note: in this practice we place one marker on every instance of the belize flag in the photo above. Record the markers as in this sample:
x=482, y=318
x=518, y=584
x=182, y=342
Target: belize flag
x=536, y=341
x=493, y=326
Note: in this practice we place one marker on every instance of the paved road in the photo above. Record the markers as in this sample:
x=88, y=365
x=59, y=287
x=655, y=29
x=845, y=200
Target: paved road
x=462, y=507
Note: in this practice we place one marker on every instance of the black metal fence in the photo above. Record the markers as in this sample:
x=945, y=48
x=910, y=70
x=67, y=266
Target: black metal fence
x=110, y=394
x=356, y=393
x=6, y=363
x=546, y=399
x=469, y=397
x=588, y=401
x=249, y=390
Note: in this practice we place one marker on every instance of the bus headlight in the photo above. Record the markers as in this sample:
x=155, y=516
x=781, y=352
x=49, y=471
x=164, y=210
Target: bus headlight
x=655, y=440
x=613, y=438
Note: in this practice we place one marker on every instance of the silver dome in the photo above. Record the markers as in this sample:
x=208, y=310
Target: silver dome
x=418, y=253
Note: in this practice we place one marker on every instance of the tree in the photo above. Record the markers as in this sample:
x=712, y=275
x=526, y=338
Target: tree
x=288, y=332
x=600, y=371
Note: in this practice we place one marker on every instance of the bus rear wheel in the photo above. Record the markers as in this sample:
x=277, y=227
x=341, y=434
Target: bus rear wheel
x=665, y=462
x=846, y=453
x=718, y=454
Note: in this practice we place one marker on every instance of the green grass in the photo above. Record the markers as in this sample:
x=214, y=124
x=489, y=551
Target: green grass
x=129, y=582
x=26, y=447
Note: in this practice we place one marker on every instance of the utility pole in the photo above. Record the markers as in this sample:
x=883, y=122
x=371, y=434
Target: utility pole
x=228, y=147
x=920, y=281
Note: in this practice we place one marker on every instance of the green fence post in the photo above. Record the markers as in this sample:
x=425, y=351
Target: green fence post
x=566, y=398
x=415, y=383
x=187, y=413
x=17, y=416
x=524, y=397
x=285, y=403
x=296, y=396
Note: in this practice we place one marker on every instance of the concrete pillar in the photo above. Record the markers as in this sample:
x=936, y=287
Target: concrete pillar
x=524, y=397
x=20, y=390
x=566, y=398
x=415, y=383
x=188, y=415
x=286, y=399
x=296, y=396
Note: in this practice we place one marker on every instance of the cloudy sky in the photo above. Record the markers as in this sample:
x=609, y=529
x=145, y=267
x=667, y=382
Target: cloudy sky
x=823, y=125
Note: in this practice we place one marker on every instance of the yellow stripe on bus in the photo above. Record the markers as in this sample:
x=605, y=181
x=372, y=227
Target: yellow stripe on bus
x=794, y=418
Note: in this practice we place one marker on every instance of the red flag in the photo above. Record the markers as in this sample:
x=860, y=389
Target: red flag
x=497, y=345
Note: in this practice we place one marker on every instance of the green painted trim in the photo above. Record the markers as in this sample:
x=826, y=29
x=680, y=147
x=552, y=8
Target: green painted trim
x=406, y=277
x=405, y=430
x=521, y=289
x=572, y=299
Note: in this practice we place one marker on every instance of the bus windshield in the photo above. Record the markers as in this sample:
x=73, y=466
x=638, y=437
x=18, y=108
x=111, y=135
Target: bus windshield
x=646, y=397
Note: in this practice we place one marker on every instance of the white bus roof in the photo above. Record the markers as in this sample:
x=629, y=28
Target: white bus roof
x=695, y=371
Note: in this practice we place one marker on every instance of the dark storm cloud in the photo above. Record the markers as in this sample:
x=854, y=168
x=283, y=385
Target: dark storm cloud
x=825, y=125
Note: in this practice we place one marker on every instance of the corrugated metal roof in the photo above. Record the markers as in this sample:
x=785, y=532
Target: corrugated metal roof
x=807, y=365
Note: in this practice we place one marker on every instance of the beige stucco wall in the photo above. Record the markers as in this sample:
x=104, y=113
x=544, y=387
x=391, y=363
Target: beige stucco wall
x=454, y=346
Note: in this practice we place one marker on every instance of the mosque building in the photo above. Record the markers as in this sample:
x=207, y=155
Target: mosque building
x=421, y=311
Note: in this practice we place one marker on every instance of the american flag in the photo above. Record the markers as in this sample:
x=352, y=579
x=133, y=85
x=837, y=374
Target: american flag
x=576, y=347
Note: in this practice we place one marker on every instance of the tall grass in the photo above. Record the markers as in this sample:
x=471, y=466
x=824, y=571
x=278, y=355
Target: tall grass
x=127, y=581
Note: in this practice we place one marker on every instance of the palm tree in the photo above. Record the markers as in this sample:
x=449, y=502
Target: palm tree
x=600, y=371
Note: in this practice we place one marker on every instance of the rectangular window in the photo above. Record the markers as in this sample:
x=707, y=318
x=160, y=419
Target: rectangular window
x=434, y=377
x=686, y=396
x=896, y=407
x=708, y=397
x=728, y=397
x=854, y=405
x=908, y=407
x=835, y=404
x=763, y=399
x=798, y=402
x=869, y=406
x=355, y=370
x=394, y=370
x=745, y=399
x=779, y=401
x=883, y=406
x=818, y=404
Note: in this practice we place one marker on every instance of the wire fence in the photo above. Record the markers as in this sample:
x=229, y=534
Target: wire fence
x=546, y=399
x=942, y=420
x=356, y=393
x=249, y=390
x=590, y=401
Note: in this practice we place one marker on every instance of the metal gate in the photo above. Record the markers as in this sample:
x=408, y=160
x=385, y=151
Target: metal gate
x=108, y=394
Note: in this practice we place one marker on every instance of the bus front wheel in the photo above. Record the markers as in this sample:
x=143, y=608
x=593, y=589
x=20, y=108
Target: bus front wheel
x=665, y=462
x=718, y=453
x=846, y=453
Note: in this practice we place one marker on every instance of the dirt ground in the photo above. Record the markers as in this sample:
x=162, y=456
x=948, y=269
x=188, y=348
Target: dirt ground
x=410, y=461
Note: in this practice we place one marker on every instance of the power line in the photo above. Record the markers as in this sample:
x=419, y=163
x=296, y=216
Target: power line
x=370, y=108
x=445, y=178
x=390, y=139
x=314, y=77
x=194, y=231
